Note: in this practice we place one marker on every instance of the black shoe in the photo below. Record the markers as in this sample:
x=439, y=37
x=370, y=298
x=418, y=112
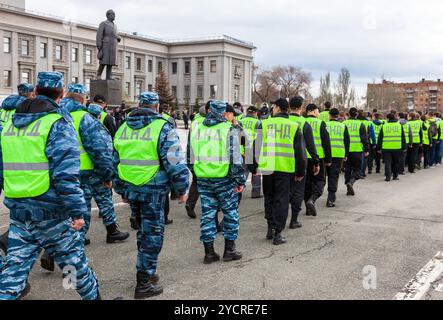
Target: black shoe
x=402, y=173
x=330, y=204
x=134, y=224
x=100, y=215
x=378, y=171
x=47, y=262
x=210, y=255
x=256, y=196
x=147, y=287
x=191, y=212
x=115, y=235
x=388, y=180
x=87, y=242
x=26, y=291
x=351, y=191
x=4, y=242
x=310, y=205
x=396, y=179
x=231, y=253
x=168, y=222
x=295, y=225
x=279, y=239
x=331, y=200
x=270, y=234
x=370, y=172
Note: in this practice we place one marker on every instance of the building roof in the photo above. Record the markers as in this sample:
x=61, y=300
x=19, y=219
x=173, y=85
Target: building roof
x=135, y=35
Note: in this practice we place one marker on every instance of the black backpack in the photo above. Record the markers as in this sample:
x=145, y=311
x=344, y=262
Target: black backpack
x=433, y=130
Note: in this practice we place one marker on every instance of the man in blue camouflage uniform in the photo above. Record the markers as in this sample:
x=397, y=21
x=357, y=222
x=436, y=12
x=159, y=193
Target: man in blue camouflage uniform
x=147, y=135
x=53, y=219
x=220, y=193
x=97, y=144
x=9, y=105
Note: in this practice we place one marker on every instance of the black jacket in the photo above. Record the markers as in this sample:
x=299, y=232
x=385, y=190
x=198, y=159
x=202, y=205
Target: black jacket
x=109, y=123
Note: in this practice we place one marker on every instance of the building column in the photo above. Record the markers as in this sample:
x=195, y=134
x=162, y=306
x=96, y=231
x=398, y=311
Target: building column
x=206, y=84
x=2, y=82
x=15, y=72
x=132, y=94
x=180, y=80
x=193, y=81
x=81, y=63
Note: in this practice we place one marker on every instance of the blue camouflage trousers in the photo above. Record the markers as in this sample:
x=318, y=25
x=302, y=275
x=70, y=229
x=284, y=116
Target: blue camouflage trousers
x=93, y=188
x=151, y=233
x=64, y=244
x=218, y=194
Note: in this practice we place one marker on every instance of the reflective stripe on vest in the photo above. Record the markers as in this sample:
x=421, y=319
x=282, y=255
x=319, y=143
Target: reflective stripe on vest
x=392, y=136
x=6, y=115
x=316, y=130
x=337, y=136
x=354, y=133
x=277, y=152
x=210, y=146
x=85, y=160
x=415, y=128
x=138, y=152
x=25, y=165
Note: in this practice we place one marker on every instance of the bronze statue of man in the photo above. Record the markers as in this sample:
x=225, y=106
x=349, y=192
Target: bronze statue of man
x=107, y=43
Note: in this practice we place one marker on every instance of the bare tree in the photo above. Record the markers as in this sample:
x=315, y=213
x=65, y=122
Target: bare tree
x=264, y=86
x=343, y=88
x=325, y=89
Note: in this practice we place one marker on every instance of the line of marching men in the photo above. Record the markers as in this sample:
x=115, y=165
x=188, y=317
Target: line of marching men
x=57, y=154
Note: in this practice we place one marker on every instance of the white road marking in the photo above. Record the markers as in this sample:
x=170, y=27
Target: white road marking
x=421, y=284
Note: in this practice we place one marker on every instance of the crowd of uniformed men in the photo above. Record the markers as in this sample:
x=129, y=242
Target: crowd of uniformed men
x=59, y=152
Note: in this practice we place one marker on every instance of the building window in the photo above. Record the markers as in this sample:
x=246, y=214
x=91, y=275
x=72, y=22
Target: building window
x=43, y=50
x=213, y=90
x=127, y=88
x=74, y=79
x=7, y=78
x=127, y=62
x=159, y=66
x=7, y=45
x=187, y=67
x=139, y=64
x=174, y=91
x=150, y=87
x=236, y=92
x=88, y=59
x=138, y=88
x=174, y=68
x=200, y=92
x=88, y=84
x=187, y=92
x=58, y=52
x=25, y=48
x=200, y=66
x=25, y=77
x=149, y=65
x=237, y=73
x=213, y=66
x=74, y=55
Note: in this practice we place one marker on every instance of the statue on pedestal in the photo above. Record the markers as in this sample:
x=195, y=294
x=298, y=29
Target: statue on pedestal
x=107, y=43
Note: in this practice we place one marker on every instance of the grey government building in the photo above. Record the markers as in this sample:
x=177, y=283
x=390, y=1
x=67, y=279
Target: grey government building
x=213, y=67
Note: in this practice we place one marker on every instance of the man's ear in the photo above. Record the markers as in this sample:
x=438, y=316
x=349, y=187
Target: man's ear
x=62, y=94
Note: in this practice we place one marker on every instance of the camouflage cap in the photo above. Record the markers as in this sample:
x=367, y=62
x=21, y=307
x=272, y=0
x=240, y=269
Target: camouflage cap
x=217, y=106
x=149, y=98
x=50, y=80
x=95, y=110
x=77, y=88
x=25, y=88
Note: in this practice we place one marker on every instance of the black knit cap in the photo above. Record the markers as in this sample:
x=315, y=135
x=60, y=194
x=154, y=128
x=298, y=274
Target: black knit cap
x=311, y=107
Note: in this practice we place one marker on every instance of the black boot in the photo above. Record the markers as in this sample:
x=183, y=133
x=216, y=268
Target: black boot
x=147, y=287
x=279, y=239
x=210, y=255
x=331, y=201
x=191, y=212
x=47, y=262
x=310, y=206
x=350, y=187
x=4, y=242
x=134, y=223
x=115, y=235
x=271, y=232
x=26, y=291
x=231, y=253
x=87, y=242
x=294, y=222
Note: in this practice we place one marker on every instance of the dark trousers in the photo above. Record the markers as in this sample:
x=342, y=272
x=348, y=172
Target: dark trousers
x=333, y=173
x=364, y=165
x=402, y=163
x=315, y=185
x=374, y=156
x=433, y=153
x=412, y=157
x=276, y=188
x=193, y=193
x=392, y=162
x=167, y=207
x=426, y=155
x=420, y=155
x=353, y=167
x=297, y=197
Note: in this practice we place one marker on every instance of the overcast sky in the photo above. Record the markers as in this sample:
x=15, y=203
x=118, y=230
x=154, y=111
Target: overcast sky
x=398, y=38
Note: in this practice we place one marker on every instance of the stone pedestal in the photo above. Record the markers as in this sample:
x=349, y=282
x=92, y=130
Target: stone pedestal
x=110, y=89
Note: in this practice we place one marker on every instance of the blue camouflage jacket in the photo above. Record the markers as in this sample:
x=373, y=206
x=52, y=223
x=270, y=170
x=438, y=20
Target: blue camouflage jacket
x=96, y=141
x=11, y=102
x=236, y=170
x=173, y=170
x=65, y=198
